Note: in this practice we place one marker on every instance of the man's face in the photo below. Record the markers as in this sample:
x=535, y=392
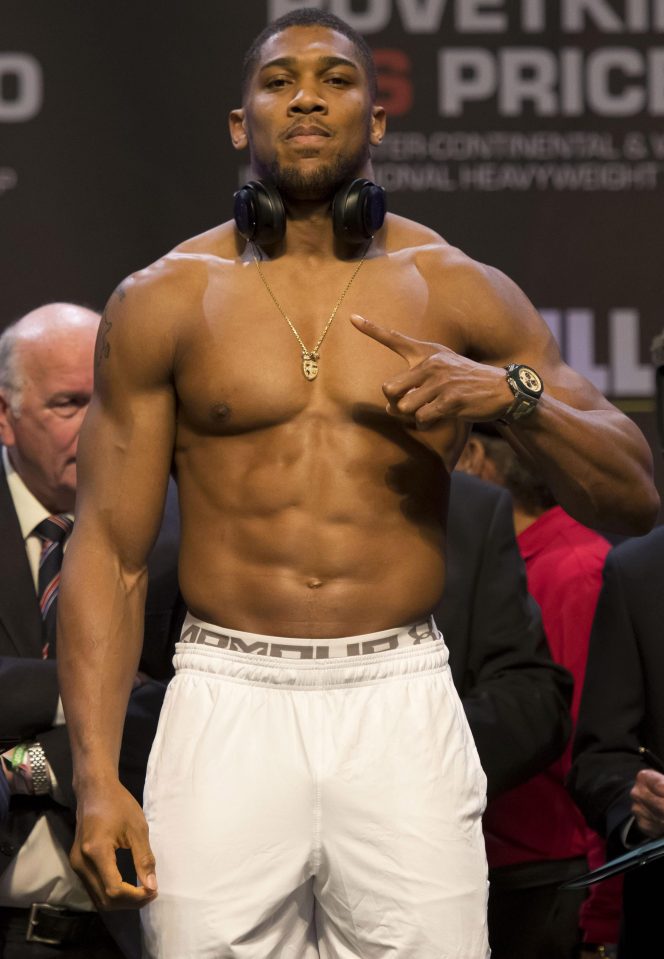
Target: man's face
x=42, y=439
x=308, y=117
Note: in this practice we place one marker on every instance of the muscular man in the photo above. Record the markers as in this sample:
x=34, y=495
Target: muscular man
x=329, y=805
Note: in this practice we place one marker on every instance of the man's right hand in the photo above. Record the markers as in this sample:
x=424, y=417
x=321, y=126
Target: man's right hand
x=109, y=818
x=647, y=797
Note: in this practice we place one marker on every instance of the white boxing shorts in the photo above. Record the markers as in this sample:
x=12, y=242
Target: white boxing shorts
x=314, y=799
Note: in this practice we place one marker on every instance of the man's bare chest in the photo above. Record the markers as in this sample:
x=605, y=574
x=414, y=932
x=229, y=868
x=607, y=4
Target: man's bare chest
x=242, y=363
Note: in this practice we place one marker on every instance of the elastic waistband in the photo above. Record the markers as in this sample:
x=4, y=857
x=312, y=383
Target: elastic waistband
x=310, y=663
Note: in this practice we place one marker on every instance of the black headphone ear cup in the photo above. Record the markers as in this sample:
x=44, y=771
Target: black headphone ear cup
x=358, y=210
x=259, y=213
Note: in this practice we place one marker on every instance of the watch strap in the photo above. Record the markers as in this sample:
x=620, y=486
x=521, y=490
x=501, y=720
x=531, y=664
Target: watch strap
x=41, y=780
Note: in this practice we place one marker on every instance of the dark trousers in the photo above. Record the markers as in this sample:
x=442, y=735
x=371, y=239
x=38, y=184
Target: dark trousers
x=641, y=932
x=98, y=944
x=535, y=921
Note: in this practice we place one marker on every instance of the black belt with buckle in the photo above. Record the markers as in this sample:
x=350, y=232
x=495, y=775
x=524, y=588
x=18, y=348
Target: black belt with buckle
x=54, y=925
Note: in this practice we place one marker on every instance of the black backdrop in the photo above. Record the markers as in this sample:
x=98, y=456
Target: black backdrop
x=527, y=132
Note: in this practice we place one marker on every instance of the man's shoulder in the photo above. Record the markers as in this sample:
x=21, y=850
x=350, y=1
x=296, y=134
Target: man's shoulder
x=409, y=238
x=641, y=556
x=171, y=288
x=185, y=266
x=445, y=266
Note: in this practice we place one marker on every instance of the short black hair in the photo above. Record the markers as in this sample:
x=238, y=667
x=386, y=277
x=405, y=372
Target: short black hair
x=306, y=17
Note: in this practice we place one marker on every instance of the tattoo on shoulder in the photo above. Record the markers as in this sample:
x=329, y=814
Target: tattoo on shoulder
x=120, y=292
x=103, y=346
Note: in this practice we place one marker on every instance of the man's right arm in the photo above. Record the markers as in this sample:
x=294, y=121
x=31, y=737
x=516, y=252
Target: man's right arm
x=123, y=465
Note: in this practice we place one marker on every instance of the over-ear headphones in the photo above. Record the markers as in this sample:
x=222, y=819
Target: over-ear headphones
x=358, y=211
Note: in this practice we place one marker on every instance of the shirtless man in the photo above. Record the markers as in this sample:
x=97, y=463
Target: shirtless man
x=313, y=789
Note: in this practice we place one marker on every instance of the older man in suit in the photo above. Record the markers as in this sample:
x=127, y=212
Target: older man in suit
x=46, y=361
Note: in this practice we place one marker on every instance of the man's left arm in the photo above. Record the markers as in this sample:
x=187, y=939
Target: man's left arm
x=594, y=459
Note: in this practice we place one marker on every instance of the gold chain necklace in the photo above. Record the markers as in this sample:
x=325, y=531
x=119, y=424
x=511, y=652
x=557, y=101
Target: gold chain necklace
x=309, y=357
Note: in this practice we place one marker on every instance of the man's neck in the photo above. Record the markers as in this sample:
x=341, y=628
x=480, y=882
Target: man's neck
x=309, y=230
x=524, y=518
x=63, y=503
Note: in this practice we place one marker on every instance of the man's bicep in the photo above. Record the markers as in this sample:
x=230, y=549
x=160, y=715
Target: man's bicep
x=123, y=470
x=126, y=443
x=513, y=331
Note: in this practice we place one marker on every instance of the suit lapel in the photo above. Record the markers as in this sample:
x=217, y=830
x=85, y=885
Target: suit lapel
x=19, y=609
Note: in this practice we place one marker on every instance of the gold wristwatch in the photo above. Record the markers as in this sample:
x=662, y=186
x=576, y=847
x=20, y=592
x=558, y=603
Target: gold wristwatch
x=527, y=387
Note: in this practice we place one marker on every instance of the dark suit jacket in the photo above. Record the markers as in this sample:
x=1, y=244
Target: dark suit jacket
x=515, y=697
x=4, y=798
x=29, y=693
x=622, y=708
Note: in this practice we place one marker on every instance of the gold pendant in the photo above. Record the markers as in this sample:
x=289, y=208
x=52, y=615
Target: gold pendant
x=310, y=365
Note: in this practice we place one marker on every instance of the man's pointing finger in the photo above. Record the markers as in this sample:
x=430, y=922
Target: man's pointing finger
x=407, y=348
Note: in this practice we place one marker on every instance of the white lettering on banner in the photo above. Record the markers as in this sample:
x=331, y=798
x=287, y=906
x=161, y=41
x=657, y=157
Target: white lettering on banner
x=611, y=81
x=600, y=67
x=553, y=320
x=529, y=77
x=421, y=17
x=471, y=16
x=656, y=85
x=517, y=145
x=630, y=378
x=519, y=178
x=580, y=347
x=464, y=75
x=567, y=81
x=576, y=14
x=489, y=16
x=375, y=16
x=492, y=160
x=26, y=73
x=533, y=16
x=571, y=82
x=636, y=16
x=624, y=375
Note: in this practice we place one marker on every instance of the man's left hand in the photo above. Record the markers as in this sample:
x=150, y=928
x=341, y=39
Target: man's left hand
x=439, y=384
x=648, y=802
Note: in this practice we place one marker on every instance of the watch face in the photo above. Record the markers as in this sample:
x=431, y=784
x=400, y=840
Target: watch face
x=529, y=380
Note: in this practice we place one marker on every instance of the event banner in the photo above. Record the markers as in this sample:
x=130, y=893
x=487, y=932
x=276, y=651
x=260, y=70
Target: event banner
x=530, y=133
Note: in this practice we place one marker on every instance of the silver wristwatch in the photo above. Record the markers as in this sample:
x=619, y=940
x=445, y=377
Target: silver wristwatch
x=527, y=387
x=41, y=780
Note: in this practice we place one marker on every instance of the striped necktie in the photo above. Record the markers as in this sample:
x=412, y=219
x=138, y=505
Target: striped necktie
x=52, y=532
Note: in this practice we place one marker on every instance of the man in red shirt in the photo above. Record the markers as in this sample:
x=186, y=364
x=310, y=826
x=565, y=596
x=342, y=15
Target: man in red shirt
x=536, y=837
